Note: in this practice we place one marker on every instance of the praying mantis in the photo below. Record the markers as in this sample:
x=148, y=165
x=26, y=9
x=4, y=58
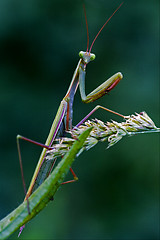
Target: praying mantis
x=63, y=118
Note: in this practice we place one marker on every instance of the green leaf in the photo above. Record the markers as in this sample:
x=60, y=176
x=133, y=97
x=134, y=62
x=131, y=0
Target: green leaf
x=44, y=194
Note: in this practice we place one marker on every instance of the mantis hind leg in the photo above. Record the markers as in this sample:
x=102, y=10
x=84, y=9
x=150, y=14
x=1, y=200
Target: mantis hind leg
x=21, y=165
x=75, y=178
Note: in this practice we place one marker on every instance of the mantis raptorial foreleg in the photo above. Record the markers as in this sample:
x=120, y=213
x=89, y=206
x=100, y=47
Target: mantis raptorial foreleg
x=97, y=93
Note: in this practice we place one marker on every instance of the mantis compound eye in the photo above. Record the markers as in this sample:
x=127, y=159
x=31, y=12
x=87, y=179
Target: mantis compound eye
x=81, y=54
x=92, y=56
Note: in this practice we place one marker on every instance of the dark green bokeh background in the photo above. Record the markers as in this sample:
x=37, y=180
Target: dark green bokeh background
x=116, y=196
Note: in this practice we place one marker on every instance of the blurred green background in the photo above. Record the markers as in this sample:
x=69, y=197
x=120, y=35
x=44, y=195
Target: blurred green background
x=116, y=196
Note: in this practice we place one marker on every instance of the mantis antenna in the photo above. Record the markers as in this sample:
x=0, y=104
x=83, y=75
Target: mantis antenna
x=86, y=27
x=101, y=27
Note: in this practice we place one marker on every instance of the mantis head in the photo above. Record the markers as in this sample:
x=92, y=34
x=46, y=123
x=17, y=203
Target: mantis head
x=87, y=56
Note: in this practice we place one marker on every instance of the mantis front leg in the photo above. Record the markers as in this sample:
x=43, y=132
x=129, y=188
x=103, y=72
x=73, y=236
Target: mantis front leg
x=104, y=88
